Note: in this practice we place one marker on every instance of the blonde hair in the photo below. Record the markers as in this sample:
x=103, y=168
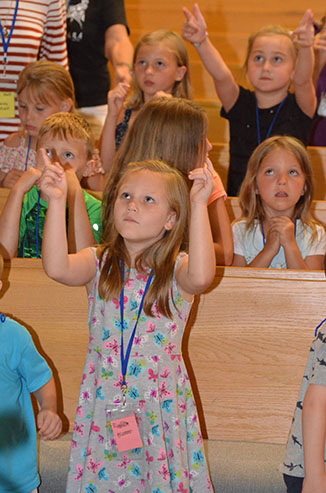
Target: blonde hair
x=269, y=31
x=69, y=126
x=250, y=201
x=159, y=257
x=174, y=42
x=173, y=130
x=47, y=81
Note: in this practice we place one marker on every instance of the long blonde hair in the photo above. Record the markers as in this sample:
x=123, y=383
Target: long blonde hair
x=250, y=201
x=159, y=257
x=46, y=81
x=173, y=130
x=174, y=42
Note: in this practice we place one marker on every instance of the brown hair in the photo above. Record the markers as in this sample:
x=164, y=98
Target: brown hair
x=69, y=125
x=46, y=81
x=159, y=257
x=250, y=201
x=269, y=31
x=173, y=130
x=175, y=43
x=1, y=266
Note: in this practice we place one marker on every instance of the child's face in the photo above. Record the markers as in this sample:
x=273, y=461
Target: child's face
x=70, y=152
x=32, y=113
x=156, y=69
x=280, y=183
x=271, y=63
x=142, y=213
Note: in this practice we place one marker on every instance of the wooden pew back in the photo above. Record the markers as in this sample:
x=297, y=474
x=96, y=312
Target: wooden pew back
x=245, y=346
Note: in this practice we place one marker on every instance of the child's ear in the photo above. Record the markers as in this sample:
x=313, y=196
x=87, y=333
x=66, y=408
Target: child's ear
x=67, y=105
x=171, y=220
x=181, y=73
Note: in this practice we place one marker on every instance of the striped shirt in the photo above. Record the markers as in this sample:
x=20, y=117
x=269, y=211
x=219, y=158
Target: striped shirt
x=39, y=33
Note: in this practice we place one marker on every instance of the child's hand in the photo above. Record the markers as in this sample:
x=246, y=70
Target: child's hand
x=314, y=483
x=284, y=226
x=304, y=34
x=28, y=179
x=49, y=424
x=272, y=240
x=203, y=185
x=117, y=96
x=12, y=177
x=320, y=40
x=194, y=28
x=53, y=181
x=163, y=94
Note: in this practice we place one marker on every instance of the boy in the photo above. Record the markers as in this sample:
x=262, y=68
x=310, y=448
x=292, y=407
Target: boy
x=65, y=138
x=304, y=463
x=22, y=371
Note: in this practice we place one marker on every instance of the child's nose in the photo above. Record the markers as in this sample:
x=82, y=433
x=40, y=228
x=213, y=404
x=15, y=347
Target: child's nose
x=267, y=65
x=132, y=205
x=149, y=68
x=282, y=178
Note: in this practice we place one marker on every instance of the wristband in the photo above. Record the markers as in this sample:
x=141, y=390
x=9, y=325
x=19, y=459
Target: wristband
x=198, y=44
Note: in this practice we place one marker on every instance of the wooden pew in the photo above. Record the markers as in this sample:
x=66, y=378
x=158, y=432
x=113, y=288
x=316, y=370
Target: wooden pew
x=246, y=342
x=219, y=156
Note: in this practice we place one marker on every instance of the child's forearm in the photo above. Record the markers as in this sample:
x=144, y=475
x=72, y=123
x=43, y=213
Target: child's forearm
x=221, y=231
x=80, y=234
x=293, y=256
x=314, y=429
x=303, y=81
x=10, y=223
x=108, y=141
x=47, y=396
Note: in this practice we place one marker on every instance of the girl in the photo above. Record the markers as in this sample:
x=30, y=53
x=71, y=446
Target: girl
x=143, y=391
x=160, y=65
x=174, y=130
x=43, y=88
x=276, y=194
x=273, y=62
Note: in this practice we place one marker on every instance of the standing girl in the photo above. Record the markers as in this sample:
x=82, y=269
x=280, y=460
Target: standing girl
x=275, y=196
x=141, y=290
x=160, y=65
x=175, y=131
x=43, y=88
x=273, y=62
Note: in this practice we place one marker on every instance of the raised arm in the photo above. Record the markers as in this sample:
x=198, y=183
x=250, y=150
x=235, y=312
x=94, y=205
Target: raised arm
x=195, y=31
x=314, y=436
x=196, y=273
x=304, y=89
x=75, y=269
x=49, y=423
x=119, y=51
x=320, y=53
x=11, y=213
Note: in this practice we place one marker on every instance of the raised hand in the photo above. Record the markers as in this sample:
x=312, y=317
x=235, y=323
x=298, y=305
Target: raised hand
x=117, y=96
x=203, y=184
x=53, y=181
x=194, y=28
x=304, y=34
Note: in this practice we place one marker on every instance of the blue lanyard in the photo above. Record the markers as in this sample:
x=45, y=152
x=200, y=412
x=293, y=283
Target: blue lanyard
x=28, y=151
x=318, y=326
x=263, y=233
x=125, y=357
x=7, y=43
x=269, y=131
x=37, y=224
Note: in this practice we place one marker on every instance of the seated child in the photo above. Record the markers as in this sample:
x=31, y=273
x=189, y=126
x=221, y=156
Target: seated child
x=304, y=463
x=65, y=138
x=276, y=229
x=23, y=370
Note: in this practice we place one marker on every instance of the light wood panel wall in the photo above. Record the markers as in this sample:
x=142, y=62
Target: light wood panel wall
x=245, y=346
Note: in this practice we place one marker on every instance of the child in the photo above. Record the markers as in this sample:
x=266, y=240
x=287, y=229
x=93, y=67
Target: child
x=277, y=230
x=65, y=138
x=304, y=463
x=140, y=265
x=23, y=371
x=318, y=136
x=43, y=88
x=272, y=64
x=160, y=66
x=174, y=130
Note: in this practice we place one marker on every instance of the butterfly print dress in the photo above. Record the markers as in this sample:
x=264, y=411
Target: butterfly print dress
x=172, y=458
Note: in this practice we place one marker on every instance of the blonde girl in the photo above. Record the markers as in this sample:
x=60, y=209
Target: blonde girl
x=160, y=67
x=175, y=131
x=276, y=58
x=277, y=229
x=138, y=265
x=43, y=88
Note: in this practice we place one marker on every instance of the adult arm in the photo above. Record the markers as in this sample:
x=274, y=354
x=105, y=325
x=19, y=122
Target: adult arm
x=119, y=51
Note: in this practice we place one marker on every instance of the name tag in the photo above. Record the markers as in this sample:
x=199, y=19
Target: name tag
x=126, y=433
x=7, y=104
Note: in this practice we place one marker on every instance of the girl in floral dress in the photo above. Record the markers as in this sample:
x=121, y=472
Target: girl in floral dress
x=140, y=293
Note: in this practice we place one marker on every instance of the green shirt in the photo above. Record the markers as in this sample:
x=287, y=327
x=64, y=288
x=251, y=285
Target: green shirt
x=31, y=220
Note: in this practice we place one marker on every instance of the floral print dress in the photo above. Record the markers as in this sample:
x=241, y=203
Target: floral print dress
x=172, y=457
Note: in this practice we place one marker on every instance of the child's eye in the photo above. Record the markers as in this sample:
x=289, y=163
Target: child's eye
x=40, y=108
x=22, y=106
x=48, y=152
x=258, y=58
x=278, y=59
x=69, y=155
x=160, y=63
x=149, y=200
x=269, y=171
x=125, y=195
x=141, y=63
x=293, y=172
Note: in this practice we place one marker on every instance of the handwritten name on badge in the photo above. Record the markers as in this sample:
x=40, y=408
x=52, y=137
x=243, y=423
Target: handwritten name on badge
x=7, y=104
x=126, y=433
